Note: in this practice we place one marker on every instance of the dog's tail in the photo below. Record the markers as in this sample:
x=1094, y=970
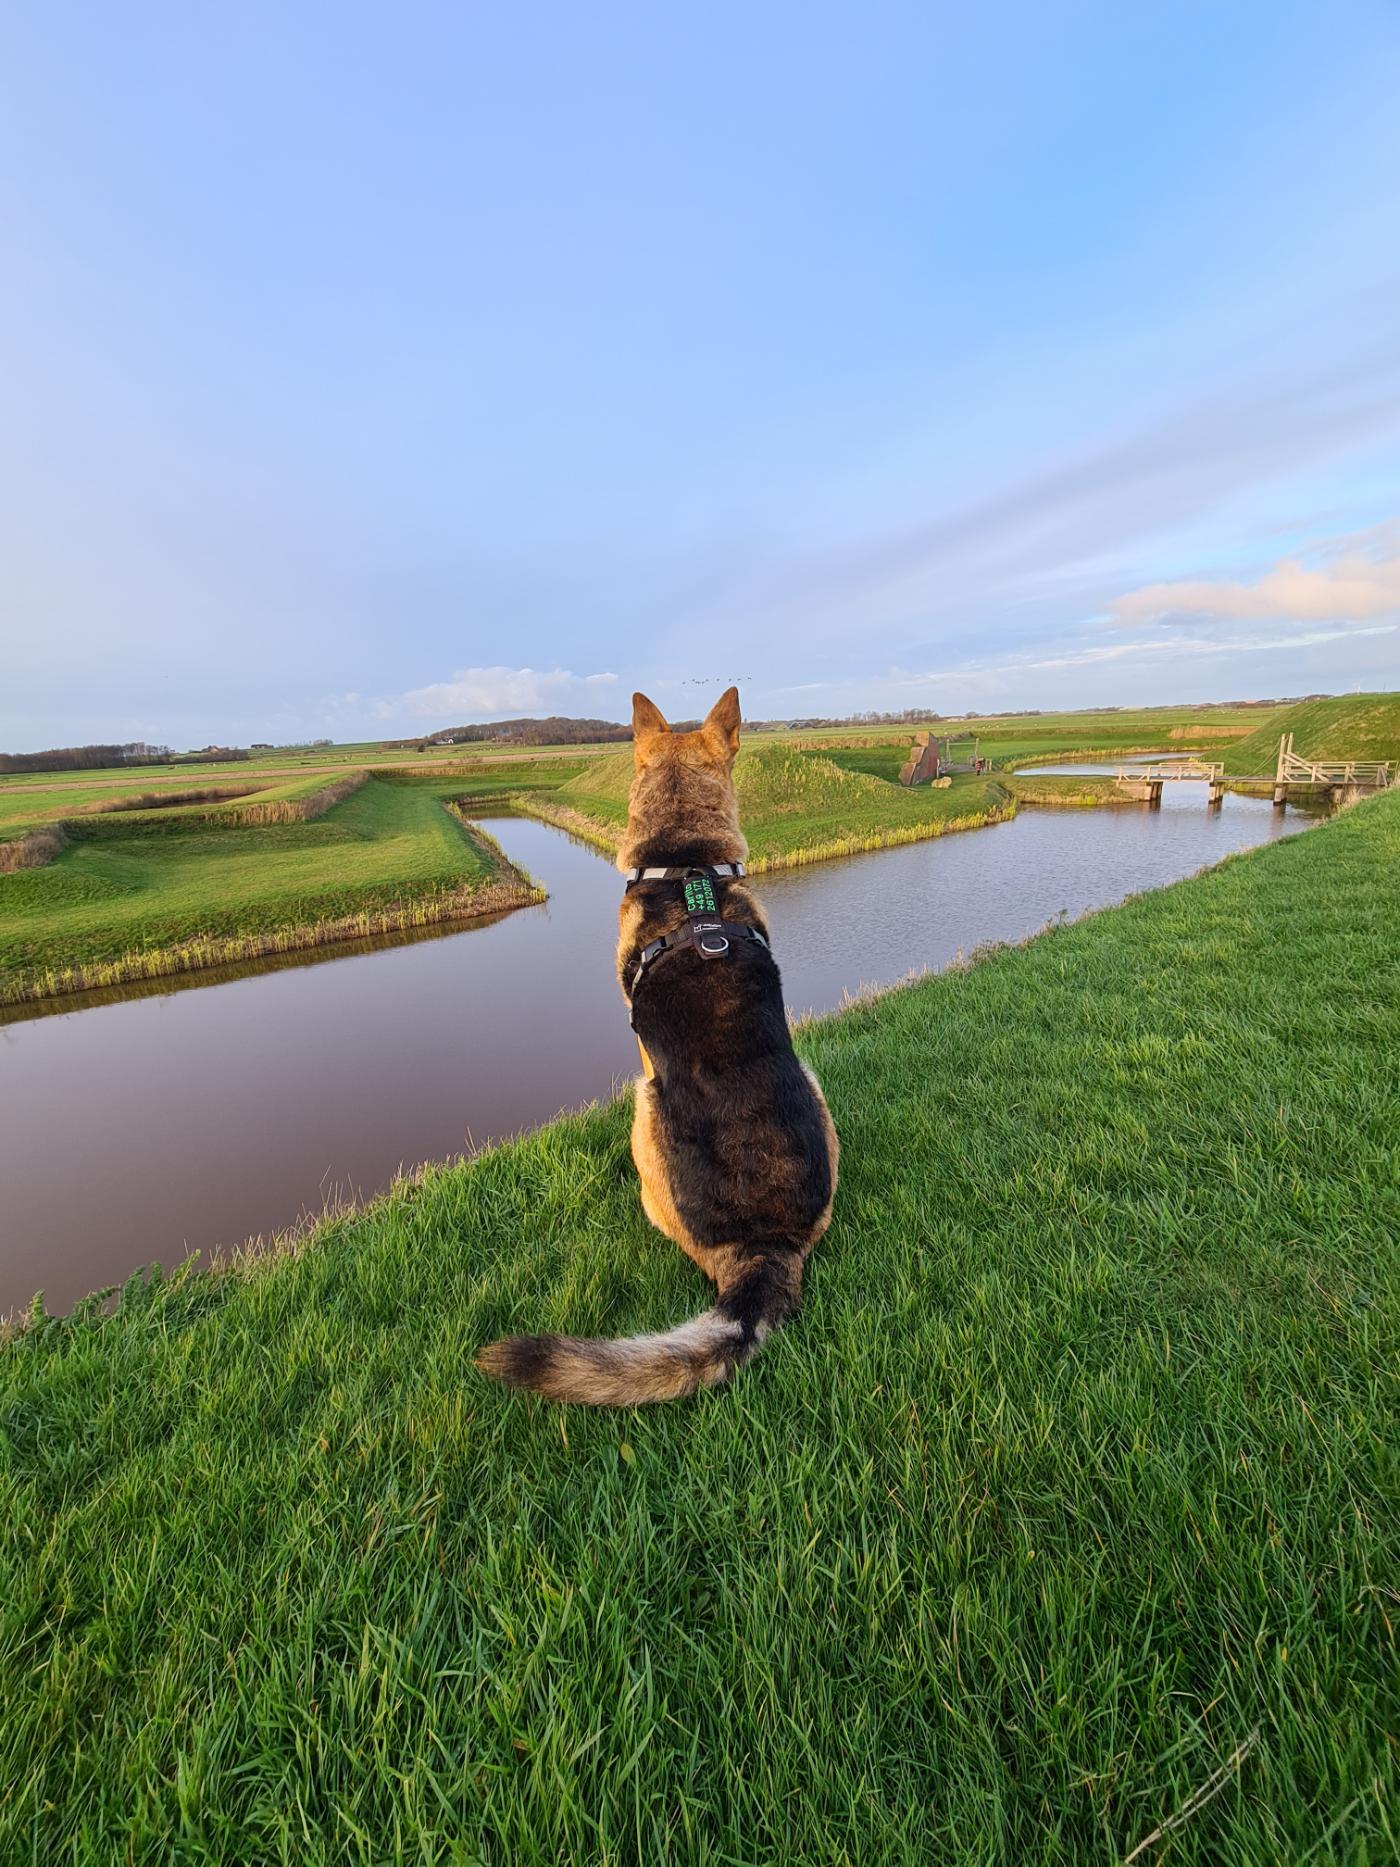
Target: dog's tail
x=757, y=1293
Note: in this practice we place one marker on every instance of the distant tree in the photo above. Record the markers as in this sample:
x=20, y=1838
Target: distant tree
x=86, y=758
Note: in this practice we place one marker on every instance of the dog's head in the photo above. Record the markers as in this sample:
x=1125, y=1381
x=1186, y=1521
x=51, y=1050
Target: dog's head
x=683, y=783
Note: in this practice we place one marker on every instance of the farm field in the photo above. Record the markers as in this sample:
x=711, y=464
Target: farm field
x=1069, y=1494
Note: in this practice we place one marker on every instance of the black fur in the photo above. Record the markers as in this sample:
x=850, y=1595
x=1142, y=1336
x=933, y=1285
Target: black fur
x=743, y=1128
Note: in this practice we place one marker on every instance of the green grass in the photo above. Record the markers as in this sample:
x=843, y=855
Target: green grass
x=1354, y=726
x=1007, y=739
x=1077, y=1469
x=1084, y=792
x=798, y=805
x=152, y=881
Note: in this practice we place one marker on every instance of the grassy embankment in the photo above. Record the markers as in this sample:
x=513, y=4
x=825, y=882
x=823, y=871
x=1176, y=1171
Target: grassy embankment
x=795, y=806
x=147, y=893
x=1069, y=1497
x=1354, y=726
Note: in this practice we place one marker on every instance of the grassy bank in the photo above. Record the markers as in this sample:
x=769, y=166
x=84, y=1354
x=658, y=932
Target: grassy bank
x=1063, y=793
x=1345, y=726
x=169, y=891
x=796, y=806
x=1070, y=1494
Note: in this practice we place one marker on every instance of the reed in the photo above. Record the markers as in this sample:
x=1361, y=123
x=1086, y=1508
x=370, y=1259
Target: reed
x=459, y=904
x=588, y=830
x=298, y=809
x=890, y=838
x=563, y=817
x=1068, y=793
x=33, y=849
x=166, y=800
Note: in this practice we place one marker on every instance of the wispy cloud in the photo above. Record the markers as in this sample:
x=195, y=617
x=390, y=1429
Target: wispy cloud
x=1349, y=584
x=490, y=693
x=1174, y=651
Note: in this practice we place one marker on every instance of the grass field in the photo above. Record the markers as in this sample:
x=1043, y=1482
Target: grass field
x=1063, y=1516
x=161, y=891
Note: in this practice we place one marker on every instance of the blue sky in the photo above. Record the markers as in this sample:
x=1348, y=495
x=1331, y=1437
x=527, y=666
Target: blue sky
x=371, y=368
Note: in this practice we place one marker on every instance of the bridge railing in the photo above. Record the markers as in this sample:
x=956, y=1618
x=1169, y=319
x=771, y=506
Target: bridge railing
x=1334, y=771
x=1196, y=770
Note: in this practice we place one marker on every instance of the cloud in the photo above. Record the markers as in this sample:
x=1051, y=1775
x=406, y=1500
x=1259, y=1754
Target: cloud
x=1173, y=649
x=1349, y=585
x=493, y=693
x=1030, y=550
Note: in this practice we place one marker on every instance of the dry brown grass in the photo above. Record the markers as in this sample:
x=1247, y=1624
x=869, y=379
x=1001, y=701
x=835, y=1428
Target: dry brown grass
x=166, y=800
x=33, y=849
x=301, y=809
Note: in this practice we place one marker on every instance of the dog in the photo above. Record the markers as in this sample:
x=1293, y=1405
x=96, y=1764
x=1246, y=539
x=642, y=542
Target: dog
x=732, y=1138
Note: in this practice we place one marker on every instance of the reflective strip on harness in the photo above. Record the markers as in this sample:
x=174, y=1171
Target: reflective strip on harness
x=733, y=870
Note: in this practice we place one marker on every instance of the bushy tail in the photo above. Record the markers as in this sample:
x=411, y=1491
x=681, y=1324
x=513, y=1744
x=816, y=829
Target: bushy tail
x=758, y=1294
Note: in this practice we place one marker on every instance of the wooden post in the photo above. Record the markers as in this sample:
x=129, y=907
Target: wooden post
x=1285, y=746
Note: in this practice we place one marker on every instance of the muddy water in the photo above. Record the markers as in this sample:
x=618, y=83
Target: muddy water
x=146, y=1129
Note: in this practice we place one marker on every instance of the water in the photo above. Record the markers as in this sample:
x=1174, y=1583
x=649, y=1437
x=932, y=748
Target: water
x=191, y=1119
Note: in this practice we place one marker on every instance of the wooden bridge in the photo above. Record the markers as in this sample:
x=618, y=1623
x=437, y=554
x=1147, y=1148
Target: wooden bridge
x=1145, y=781
x=1340, y=780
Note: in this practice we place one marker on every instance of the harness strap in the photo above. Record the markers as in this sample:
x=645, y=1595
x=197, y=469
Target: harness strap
x=710, y=938
x=723, y=869
x=702, y=928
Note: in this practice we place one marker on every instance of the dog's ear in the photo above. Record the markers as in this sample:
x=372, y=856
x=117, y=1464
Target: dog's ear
x=722, y=720
x=646, y=719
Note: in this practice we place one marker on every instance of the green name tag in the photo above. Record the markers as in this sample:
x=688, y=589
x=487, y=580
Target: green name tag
x=700, y=895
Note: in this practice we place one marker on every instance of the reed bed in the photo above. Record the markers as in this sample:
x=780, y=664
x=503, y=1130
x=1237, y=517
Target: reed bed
x=563, y=817
x=890, y=838
x=513, y=890
x=1085, y=793
x=299, y=809
x=166, y=800
x=566, y=817
x=33, y=849
x=491, y=849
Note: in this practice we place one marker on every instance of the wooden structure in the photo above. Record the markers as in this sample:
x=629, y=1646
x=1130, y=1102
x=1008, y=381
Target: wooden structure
x=935, y=756
x=1341, y=780
x=1146, y=781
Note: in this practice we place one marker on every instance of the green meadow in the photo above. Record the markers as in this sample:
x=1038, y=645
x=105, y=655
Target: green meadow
x=1062, y=1518
x=137, y=892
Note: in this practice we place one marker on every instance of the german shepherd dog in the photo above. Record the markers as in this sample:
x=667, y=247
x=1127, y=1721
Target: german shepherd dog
x=732, y=1138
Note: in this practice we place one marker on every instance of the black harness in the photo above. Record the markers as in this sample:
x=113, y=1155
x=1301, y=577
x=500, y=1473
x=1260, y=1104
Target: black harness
x=702, y=927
